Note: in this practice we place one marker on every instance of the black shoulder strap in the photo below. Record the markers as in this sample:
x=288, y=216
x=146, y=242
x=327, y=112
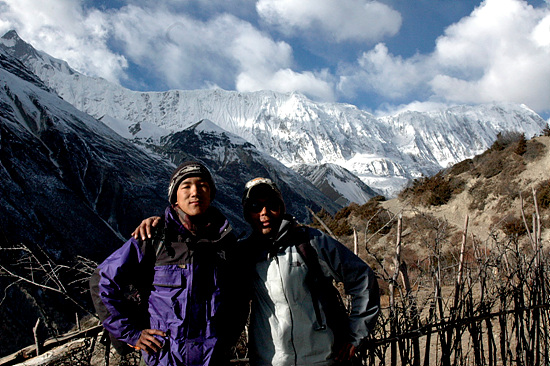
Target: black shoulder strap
x=322, y=290
x=315, y=273
x=157, y=240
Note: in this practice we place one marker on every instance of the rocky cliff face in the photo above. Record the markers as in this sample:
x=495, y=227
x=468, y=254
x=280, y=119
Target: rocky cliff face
x=69, y=186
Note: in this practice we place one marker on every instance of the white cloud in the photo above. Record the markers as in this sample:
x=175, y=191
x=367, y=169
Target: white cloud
x=338, y=20
x=266, y=65
x=64, y=30
x=183, y=52
x=223, y=51
x=285, y=80
x=500, y=52
x=417, y=106
x=385, y=74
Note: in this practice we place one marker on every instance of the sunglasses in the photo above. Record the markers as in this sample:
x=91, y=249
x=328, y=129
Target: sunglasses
x=258, y=206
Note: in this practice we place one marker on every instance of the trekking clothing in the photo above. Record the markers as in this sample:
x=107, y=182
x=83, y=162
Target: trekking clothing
x=194, y=292
x=284, y=327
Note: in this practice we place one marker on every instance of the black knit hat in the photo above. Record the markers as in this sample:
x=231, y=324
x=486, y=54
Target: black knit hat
x=262, y=186
x=186, y=170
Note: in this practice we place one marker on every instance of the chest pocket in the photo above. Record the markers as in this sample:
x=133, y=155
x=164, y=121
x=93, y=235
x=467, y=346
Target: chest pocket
x=294, y=276
x=167, y=303
x=170, y=277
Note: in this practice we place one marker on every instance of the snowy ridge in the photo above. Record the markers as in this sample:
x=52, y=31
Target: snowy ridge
x=384, y=152
x=337, y=183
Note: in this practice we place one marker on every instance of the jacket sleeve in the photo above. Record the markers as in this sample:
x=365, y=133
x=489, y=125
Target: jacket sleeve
x=116, y=274
x=359, y=280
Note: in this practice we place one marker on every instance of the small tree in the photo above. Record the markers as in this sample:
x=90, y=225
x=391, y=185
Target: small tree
x=521, y=147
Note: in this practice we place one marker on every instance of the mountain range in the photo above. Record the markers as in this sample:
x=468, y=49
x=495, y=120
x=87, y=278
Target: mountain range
x=384, y=152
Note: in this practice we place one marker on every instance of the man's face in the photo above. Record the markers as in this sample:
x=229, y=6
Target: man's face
x=193, y=196
x=265, y=215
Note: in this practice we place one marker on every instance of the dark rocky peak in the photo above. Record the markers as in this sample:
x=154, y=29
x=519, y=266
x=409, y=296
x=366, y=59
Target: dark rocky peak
x=27, y=54
x=16, y=47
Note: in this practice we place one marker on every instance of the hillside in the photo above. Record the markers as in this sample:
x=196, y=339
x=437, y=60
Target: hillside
x=488, y=188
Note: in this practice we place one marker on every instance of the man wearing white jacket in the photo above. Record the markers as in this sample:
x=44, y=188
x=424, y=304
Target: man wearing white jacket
x=292, y=321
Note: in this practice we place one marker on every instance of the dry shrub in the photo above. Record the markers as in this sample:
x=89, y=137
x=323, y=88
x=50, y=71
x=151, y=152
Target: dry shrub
x=507, y=190
x=376, y=217
x=462, y=167
x=534, y=150
x=341, y=228
x=429, y=191
x=344, y=213
x=499, y=157
x=505, y=139
x=479, y=193
x=338, y=224
x=325, y=217
x=521, y=145
x=430, y=237
x=543, y=194
x=514, y=226
x=490, y=164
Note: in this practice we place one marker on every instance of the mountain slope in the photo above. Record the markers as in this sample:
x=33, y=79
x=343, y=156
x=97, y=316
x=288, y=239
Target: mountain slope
x=65, y=176
x=384, y=152
x=490, y=189
x=70, y=186
x=338, y=183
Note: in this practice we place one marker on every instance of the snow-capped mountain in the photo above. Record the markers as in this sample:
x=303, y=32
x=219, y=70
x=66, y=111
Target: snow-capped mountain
x=384, y=152
x=338, y=183
x=62, y=165
x=69, y=186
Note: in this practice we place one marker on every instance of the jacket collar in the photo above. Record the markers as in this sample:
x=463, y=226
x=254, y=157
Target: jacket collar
x=269, y=245
x=212, y=227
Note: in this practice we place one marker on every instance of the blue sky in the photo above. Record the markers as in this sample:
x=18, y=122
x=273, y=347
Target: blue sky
x=383, y=56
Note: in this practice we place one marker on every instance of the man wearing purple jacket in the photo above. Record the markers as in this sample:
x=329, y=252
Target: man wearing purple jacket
x=193, y=315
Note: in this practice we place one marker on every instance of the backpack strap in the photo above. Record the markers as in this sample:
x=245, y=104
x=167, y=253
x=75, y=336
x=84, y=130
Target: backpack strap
x=156, y=243
x=309, y=255
x=158, y=239
x=322, y=290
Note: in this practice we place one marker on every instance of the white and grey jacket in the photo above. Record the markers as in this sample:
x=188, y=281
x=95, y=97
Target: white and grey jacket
x=284, y=329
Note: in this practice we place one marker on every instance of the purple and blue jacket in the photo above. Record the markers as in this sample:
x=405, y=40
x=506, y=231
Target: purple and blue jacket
x=193, y=287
